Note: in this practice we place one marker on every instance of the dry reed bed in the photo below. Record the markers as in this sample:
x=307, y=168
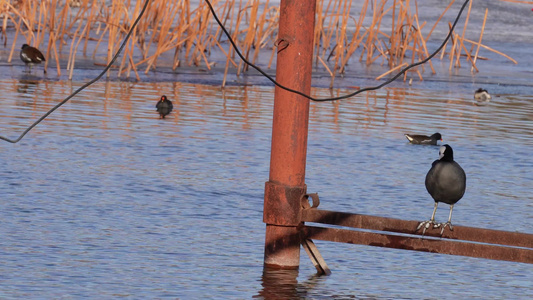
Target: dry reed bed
x=189, y=31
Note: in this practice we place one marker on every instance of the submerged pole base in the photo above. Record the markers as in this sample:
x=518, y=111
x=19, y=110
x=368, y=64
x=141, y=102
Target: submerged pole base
x=282, y=247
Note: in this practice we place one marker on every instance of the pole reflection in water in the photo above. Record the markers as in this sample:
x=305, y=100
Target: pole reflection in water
x=283, y=284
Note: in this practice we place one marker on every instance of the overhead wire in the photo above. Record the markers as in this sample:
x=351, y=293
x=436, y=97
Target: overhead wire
x=343, y=96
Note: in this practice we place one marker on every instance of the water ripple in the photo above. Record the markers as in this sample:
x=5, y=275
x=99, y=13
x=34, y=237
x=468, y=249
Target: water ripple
x=103, y=199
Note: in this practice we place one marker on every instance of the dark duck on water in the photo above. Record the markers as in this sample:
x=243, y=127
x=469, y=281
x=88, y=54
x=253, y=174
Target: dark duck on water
x=424, y=139
x=30, y=55
x=482, y=97
x=445, y=182
x=164, y=107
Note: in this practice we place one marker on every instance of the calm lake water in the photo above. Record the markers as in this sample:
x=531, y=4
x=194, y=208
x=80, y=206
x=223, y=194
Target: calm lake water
x=105, y=200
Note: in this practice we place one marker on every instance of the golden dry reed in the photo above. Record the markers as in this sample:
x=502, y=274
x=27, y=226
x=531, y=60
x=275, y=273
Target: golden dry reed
x=179, y=32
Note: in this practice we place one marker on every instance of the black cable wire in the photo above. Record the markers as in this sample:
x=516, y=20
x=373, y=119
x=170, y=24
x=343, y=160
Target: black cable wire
x=85, y=85
x=344, y=96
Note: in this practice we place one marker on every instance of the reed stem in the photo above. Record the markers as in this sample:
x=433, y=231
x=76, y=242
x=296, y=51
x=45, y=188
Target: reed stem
x=191, y=33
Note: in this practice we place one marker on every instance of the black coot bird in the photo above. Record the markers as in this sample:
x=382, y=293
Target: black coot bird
x=424, y=139
x=164, y=107
x=30, y=55
x=482, y=97
x=445, y=182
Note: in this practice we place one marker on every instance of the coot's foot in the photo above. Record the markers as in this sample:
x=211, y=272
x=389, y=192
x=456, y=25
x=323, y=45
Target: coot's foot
x=444, y=225
x=426, y=225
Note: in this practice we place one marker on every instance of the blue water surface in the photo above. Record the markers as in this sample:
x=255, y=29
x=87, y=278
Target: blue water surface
x=105, y=200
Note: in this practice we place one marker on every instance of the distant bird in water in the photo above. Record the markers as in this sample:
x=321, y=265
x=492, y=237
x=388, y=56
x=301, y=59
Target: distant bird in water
x=30, y=55
x=164, y=107
x=482, y=97
x=445, y=182
x=424, y=139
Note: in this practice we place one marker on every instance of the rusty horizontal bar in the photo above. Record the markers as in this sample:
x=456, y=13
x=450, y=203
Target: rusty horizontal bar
x=442, y=246
x=473, y=234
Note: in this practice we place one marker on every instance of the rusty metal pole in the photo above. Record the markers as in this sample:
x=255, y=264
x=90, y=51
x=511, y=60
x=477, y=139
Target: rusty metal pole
x=286, y=182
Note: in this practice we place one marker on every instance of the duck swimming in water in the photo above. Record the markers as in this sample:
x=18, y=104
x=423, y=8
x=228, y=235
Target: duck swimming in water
x=164, y=107
x=424, y=139
x=482, y=97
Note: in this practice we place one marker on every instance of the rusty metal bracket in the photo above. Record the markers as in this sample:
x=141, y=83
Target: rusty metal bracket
x=305, y=201
x=282, y=204
x=315, y=256
x=308, y=244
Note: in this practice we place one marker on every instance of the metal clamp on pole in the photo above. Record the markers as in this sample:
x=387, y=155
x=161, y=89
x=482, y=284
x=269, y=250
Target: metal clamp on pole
x=282, y=205
x=282, y=215
x=314, y=199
